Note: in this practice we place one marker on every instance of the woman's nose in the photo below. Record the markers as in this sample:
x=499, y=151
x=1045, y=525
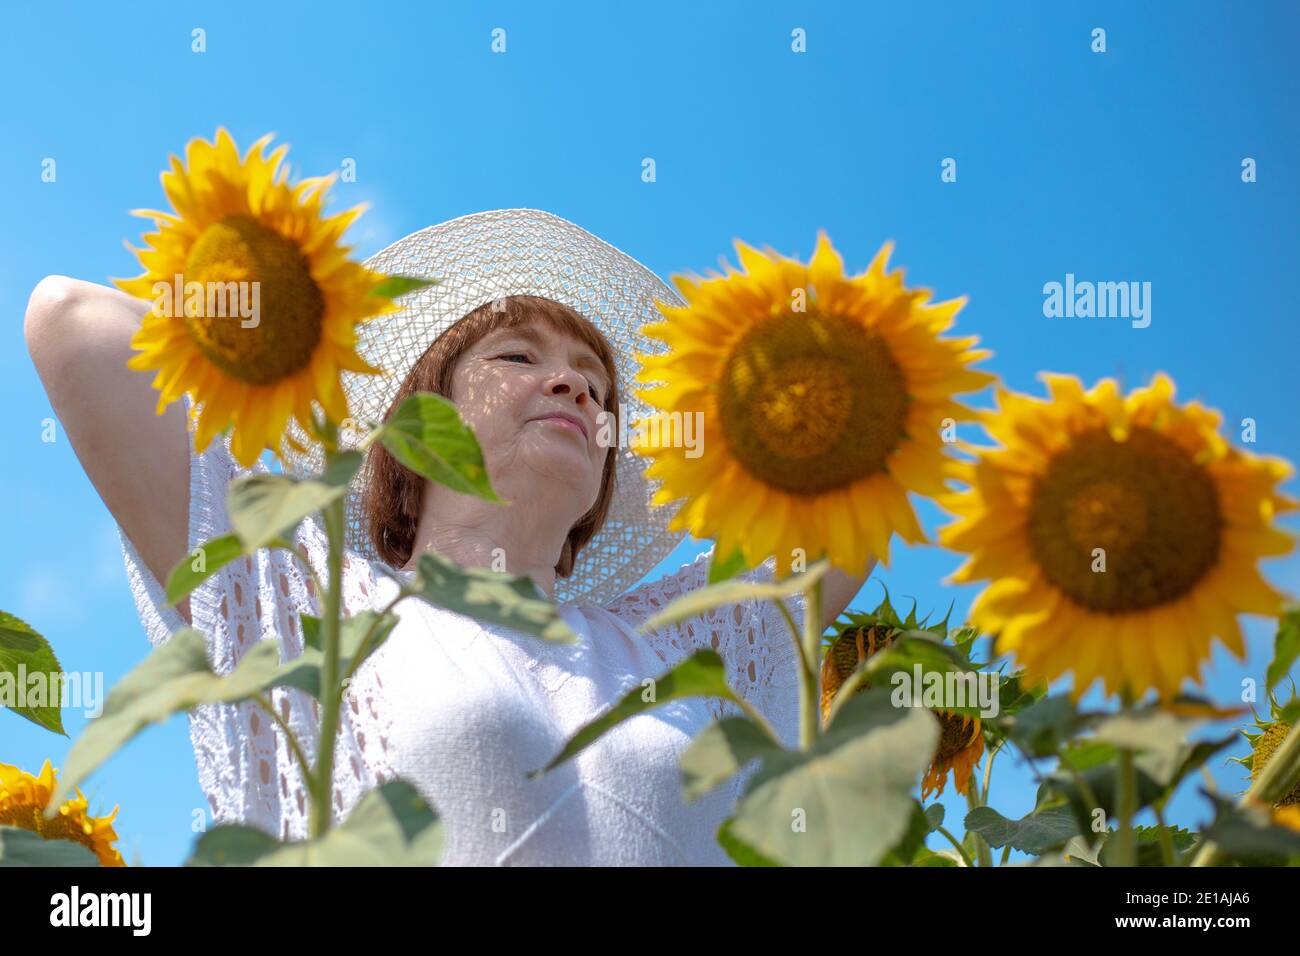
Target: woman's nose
x=568, y=382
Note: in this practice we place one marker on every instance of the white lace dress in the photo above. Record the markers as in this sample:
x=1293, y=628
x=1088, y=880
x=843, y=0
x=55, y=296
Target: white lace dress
x=463, y=710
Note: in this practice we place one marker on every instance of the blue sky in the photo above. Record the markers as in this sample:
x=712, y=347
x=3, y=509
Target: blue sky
x=1115, y=166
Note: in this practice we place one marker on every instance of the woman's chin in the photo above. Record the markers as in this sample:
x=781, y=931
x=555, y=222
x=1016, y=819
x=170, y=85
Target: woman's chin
x=560, y=458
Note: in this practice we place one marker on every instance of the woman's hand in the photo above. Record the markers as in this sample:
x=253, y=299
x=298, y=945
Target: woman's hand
x=78, y=334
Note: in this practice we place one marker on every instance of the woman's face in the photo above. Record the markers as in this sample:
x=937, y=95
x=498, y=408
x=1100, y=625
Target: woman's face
x=532, y=395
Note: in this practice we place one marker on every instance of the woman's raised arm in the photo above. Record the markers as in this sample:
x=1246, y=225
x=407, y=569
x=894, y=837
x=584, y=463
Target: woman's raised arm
x=78, y=334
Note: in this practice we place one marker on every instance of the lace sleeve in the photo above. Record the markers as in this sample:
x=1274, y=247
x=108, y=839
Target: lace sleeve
x=752, y=637
x=246, y=768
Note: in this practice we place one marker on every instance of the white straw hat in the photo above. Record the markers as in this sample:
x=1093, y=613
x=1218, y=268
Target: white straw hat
x=504, y=252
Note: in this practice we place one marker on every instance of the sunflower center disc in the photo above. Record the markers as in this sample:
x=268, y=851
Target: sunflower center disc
x=811, y=402
x=955, y=735
x=281, y=336
x=1151, y=509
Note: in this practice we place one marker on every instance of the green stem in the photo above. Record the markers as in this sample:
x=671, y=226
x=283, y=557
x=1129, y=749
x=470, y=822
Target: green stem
x=983, y=853
x=1085, y=791
x=1276, y=780
x=322, y=805
x=809, y=721
x=1126, y=802
x=988, y=772
x=956, y=844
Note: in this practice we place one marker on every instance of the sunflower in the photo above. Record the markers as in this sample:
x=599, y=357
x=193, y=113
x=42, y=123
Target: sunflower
x=1121, y=535
x=24, y=798
x=1268, y=736
x=1288, y=816
x=243, y=234
x=961, y=738
x=827, y=395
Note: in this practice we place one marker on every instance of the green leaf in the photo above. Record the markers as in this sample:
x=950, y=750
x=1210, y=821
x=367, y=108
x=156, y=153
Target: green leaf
x=1038, y=833
x=1159, y=740
x=1286, y=647
x=428, y=436
x=1014, y=695
x=928, y=857
x=1248, y=834
x=724, y=569
x=491, y=596
x=913, y=842
x=739, y=850
x=391, y=825
x=310, y=631
x=213, y=555
x=1043, y=728
x=1079, y=850
x=1149, y=852
x=395, y=286
x=20, y=847
x=1086, y=753
x=1157, y=735
x=1103, y=781
x=720, y=750
x=21, y=646
x=848, y=801
x=726, y=593
x=216, y=553
x=175, y=677
x=703, y=674
x=934, y=814
x=264, y=508
x=304, y=671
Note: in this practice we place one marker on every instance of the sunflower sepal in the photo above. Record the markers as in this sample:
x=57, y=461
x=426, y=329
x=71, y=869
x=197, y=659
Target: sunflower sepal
x=725, y=568
x=395, y=286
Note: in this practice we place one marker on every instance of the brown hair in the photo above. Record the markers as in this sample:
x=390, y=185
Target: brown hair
x=394, y=494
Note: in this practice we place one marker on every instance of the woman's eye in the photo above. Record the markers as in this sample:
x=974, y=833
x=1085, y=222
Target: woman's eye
x=510, y=356
x=594, y=395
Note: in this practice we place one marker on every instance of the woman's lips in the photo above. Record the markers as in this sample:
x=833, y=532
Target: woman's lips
x=565, y=421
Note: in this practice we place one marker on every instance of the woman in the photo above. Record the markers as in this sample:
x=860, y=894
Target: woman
x=532, y=332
